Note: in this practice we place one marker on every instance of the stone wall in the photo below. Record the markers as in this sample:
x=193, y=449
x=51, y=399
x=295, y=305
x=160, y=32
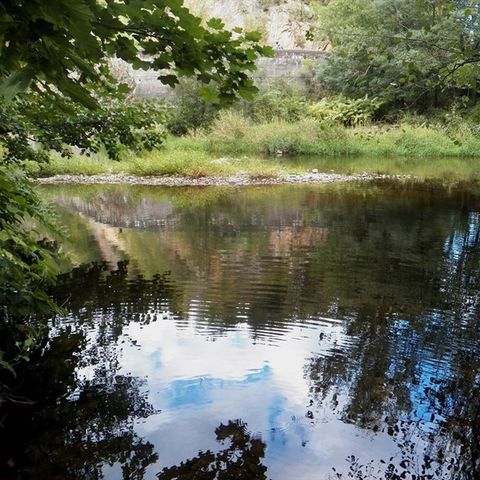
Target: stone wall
x=286, y=64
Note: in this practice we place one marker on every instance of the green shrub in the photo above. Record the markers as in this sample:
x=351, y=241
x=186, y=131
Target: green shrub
x=233, y=133
x=190, y=111
x=32, y=129
x=474, y=115
x=346, y=111
x=275, y=102
x=230, y=128
x=305, y=137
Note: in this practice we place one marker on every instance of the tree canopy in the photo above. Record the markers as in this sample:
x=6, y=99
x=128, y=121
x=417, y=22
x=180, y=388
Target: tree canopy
x=406, y=51
x=54, y=66
x=65, y=45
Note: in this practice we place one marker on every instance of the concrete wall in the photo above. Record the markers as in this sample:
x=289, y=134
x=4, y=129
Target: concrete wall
x=286, y=64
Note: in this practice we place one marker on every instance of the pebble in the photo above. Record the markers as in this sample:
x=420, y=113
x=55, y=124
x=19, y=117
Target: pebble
x=233, y=180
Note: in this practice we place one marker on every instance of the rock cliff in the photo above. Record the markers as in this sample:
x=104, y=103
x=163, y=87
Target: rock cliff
x=284, y=23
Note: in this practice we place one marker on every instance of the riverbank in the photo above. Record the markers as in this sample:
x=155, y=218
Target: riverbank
x=171, y=165
x=233, y=180
x=233, y=134
x=277, y=150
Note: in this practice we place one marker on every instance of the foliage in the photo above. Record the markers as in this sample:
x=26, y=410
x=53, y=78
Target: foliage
x=424, y=153
x=190, y=111
x=241, y=457
x=474, y=115
x=275, y=101
x=27, y=267
x=31, y=126
x=308, y=74
x=417, y=53
x=54, y=418
x=345, y=110
x=234, y=134
x=60, y=50
x=180, y=157
x=66, y=44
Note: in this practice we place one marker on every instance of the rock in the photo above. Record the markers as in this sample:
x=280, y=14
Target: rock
x=239, y=179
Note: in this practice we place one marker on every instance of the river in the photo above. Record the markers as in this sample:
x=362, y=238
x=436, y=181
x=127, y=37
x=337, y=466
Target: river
x=284, y=332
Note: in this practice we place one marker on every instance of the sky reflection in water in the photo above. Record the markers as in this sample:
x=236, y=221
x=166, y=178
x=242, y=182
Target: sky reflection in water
x=285, y=329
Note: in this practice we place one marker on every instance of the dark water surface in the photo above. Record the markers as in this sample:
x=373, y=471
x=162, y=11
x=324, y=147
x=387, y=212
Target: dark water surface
x=292, y=332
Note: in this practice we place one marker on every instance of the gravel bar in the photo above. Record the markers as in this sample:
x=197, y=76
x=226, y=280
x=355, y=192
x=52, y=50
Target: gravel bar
x=234, y=180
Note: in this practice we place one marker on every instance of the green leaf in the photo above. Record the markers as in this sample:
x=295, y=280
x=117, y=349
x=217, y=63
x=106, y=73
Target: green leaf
x=123, y=88
x=77, y=92
x=253, y=36
x=17, y=82
x=209, y=94
x=6, y=366
x=170, y=80
x=267, y=51
x=248, y=93
x=216, y=23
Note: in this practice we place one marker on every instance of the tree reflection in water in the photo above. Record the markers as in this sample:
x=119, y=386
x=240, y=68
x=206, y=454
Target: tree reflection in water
x=241, y=459
x=397, y=273
x=75, y=426
x=72, y=431
x=415, y=376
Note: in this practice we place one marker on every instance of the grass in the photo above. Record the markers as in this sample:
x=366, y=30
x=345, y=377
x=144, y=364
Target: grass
x=234, y=134
x=236, y=145
x=169, y=161
x=444, y=169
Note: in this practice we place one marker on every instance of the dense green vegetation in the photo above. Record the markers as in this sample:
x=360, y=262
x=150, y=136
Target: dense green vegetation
x=397, y=94
x=56, y=90
x=413, y=54
x=401, y=78
x=283, y=122
x=263, y=140
x=232, y=133
x=27, y=267
x=196, y=157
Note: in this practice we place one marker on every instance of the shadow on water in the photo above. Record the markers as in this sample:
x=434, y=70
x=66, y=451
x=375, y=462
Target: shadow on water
x=241, y=459
x=76, y=424
x=340, y=323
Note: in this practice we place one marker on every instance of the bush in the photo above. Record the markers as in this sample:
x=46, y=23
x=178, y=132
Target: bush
x=28, y=266
x=233, y=133
x=30, y=129
x=228, y=127
x=474, y=115
x=190, y=111
x=305, y=137
x=275, y=102
x=346, y=111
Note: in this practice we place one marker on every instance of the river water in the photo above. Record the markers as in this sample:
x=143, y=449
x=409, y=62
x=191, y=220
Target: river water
x=287, y=332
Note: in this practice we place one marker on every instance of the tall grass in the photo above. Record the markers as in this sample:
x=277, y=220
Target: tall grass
x=234, y=134
x=237, y=145
x=170, y=161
